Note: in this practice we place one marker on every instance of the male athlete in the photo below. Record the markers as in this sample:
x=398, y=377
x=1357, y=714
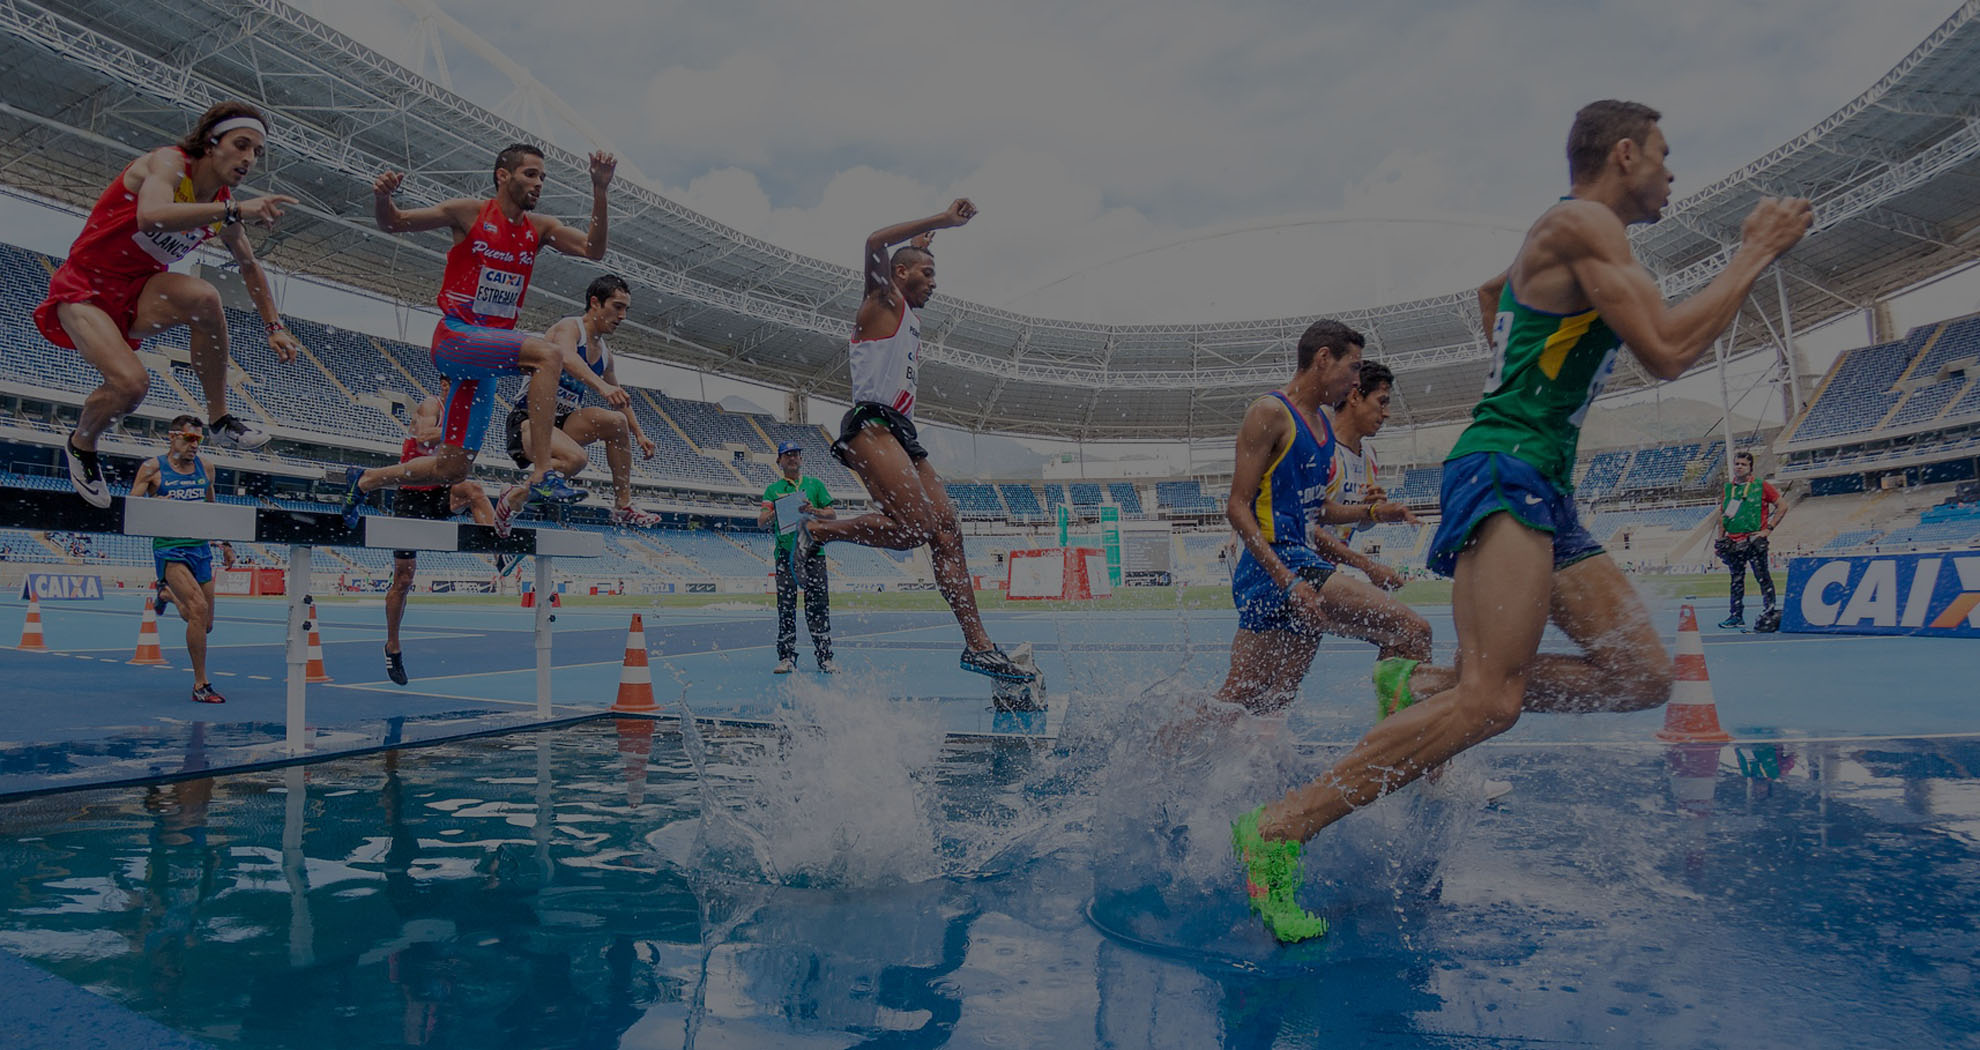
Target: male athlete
x=476, y=341
x=1287, y=594
x=583, y=337
x=431, y=502
x=877, y=439
x=115, y=289
x=1748, y=514
x=1572, y=298
x=1355, y=419
x=185, y=566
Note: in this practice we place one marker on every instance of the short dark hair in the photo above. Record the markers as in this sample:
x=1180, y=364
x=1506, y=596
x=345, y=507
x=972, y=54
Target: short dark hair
x=1330, y=334
x=1747, y=456
x=1598, y=126
x=904, y=255
x=1374, y=376
x=603, y=288
x=512, y=156
x=201, y=137
x=181, y=420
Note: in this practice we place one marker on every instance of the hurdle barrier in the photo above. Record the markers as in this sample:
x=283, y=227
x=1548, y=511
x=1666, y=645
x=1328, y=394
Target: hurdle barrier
x=300, y=532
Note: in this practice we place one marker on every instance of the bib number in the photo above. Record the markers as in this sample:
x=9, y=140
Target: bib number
x=499, y=293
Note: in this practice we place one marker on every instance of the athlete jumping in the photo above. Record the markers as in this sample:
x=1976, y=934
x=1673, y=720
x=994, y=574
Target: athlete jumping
x=481, y=295
x=115, y=290
x=877, y=439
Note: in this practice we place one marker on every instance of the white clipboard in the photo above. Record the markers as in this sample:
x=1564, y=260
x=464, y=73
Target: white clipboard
x=788, y=514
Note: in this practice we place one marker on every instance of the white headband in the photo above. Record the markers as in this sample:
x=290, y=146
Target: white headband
x=232, y=123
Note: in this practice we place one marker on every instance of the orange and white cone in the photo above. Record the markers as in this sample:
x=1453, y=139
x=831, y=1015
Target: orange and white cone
x=635, y=679
x=314, y=671
x=1692, y=716
x=635, y=749
x=31, y=640
x=1694, y=770
x=148, y=653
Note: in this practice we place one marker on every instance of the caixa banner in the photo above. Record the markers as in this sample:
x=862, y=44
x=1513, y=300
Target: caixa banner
x=62, y=587
x=1935, y=595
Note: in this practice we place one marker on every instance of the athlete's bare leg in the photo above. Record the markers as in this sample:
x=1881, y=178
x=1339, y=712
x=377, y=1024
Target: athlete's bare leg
x=914, y=509
x=1353, y=608
x=1267, y=668
x=587, y=425
x=195, y=604
x=173, y=299
x=395, y=598
x=125, y=379
x=545, y=362
x=471, y=497
x=1501, y=597
x=448, y=465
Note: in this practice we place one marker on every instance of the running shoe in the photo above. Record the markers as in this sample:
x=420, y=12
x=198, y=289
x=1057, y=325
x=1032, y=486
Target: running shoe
x=784, y=666
x=395, y=667
x=353, y=497
x=206, y=694
x=826, y=666
x=505, y=515
x=228, y=431
x=86, y=475
x=995, y=663
x=555, y=488
x=633, y=518
x=1271, y=876
x=159, y=600
x=1392, y=685
x=1732, y=623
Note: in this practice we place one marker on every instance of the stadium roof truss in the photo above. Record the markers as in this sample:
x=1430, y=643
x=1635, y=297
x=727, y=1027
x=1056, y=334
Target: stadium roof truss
x=1895, y=176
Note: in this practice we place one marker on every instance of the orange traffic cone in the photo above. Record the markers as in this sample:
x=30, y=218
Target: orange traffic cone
x=31, y=630
x=556, y=599
x=635, y=749
x=529, y=599
x=635, y=681
x=148, y=653
x=314, y=671
x=1692, y=716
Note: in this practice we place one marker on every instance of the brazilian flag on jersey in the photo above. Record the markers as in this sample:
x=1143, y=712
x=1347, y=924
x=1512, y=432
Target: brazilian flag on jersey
x=1546, y=370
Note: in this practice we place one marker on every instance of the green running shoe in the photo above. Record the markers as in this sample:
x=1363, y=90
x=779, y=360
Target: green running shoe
x=1392, y=685
x=1271, y=874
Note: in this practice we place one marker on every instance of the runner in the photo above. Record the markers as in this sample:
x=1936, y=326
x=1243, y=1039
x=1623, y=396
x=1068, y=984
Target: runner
x=185, y=566
x=115, y=290
x=583, y=337
x=1287, y=594
x=432, y=502
x=877, y=439
x=1573, y=297
x=476, y=341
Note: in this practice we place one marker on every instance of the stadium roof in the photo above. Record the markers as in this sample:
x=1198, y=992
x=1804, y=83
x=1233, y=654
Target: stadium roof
x=1895, y=176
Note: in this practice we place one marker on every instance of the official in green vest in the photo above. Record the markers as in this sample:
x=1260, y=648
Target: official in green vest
x=816, y=503
x=1749, y=512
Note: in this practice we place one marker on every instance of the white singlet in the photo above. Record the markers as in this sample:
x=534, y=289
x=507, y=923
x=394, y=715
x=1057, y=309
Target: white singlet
x=1354, y=473
x=883, y=370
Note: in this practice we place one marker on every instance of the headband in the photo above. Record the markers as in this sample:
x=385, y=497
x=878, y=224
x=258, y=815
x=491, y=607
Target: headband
x=232, y=123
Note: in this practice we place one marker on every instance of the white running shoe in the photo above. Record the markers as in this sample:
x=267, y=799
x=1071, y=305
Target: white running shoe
x=784, y=666
x=86, y=475
x=631, y=517
x=229, y=432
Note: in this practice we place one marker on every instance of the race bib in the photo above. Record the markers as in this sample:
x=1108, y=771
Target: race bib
x=499, y=293
x=1732, y=509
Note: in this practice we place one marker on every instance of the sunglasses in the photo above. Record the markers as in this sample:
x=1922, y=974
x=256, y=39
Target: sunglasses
x=187, y=435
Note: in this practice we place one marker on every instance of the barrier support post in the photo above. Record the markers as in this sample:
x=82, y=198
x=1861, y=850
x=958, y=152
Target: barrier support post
x=299, y=614
x=543, y=618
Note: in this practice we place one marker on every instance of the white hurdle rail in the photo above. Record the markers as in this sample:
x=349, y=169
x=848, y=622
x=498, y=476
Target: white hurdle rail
x=301, y=531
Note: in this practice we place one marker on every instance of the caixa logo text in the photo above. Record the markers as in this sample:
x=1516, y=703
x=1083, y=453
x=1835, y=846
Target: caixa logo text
x=1909, y=594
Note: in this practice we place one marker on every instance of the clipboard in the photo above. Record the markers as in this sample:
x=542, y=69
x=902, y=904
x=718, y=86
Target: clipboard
x=788, y=514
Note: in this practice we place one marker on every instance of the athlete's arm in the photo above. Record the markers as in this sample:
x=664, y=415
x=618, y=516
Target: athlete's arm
x=879, y=310
x=211, y=497
x=456, y=214
x=1264, y=432
x=1489, y=294
x=1669, y=339
x=1771, y=508
x=564, y=335
x=158, y=175
x=590, y=243
x=646, y=446
x=424, y=426
x=280, y=339
x=1334, y=549
x=146, y=482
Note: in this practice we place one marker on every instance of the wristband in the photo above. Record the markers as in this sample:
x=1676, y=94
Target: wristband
x=274, y=326
x=233, y=216
x=1296, y=581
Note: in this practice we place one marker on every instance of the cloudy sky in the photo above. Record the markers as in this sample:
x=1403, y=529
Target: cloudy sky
x=1158, y=160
